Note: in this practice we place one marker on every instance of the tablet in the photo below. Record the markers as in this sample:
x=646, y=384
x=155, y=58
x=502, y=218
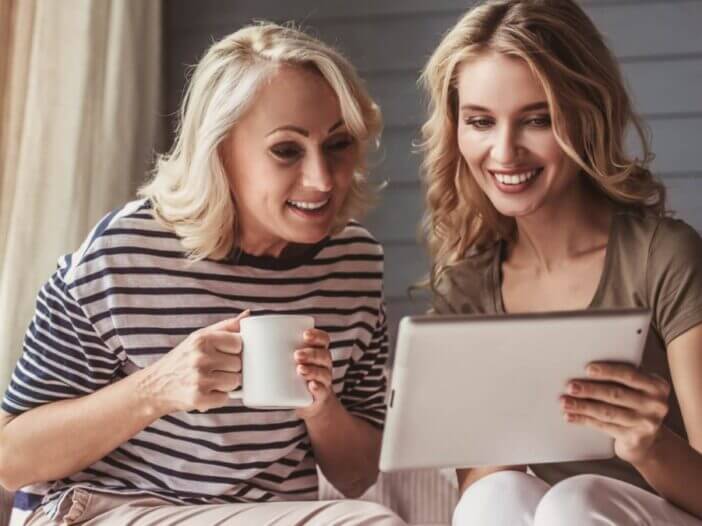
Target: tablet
x=472, y=391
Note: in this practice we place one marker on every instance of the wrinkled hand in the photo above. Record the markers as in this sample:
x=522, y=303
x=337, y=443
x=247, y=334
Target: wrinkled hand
x=199, y=372
x=622, y=401
x=314, y=364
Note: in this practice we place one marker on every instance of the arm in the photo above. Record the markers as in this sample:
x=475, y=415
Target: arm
x=346, y=446
x=674, y=466
x=60, y=438
x=630, y=406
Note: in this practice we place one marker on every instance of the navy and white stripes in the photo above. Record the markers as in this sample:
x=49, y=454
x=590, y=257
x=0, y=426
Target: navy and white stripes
x=129, y=295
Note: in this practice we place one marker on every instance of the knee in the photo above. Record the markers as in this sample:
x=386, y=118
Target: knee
x=576, y=500
x=365, y=512
x=505, y=497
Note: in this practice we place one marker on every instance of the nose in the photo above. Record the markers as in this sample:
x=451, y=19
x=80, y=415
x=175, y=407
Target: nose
x=317, y=173
x=505, y=148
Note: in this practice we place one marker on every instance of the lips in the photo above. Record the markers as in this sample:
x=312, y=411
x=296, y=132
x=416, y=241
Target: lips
x=309, y=205
x=309, y=209
x=513, y=181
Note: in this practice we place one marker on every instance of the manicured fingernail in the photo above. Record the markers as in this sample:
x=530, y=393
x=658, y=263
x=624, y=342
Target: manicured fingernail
x=299, y=355
x=593, y=369
x=573, y=388
x=303, y=369
x=307, y=335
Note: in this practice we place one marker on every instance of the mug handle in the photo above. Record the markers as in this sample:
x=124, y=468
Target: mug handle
x=237, y=394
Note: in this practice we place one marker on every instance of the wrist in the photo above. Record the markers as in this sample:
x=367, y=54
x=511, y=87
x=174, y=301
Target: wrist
x=656, y=451
x=326, y=411
x=147, y=401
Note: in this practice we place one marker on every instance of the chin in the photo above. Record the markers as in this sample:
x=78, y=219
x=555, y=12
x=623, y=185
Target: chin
x=308, y=237
x=515, y=210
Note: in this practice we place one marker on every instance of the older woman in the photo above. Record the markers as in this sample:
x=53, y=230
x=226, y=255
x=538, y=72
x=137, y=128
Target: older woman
x=534, y=205
x=118, y=410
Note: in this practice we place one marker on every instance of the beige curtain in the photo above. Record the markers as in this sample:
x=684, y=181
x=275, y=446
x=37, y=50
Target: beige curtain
x=79, y=83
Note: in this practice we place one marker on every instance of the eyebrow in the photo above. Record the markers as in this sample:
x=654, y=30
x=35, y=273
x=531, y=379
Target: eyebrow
x=543, y=105
x=303, y=131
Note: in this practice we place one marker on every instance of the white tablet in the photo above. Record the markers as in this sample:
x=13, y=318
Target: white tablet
x=484, y=390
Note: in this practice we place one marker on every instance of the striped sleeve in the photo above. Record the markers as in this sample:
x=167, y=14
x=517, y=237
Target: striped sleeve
x=366, y=383
x=62, y=356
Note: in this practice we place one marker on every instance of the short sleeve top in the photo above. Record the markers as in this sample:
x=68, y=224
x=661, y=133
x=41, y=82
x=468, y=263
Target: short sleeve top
x=651, y=262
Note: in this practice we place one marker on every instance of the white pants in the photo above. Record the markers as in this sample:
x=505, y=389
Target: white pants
x=513, y=498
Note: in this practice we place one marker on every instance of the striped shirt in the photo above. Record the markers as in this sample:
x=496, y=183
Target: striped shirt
x=129, y=295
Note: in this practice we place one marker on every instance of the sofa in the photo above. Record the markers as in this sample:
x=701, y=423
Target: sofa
x=422, y=497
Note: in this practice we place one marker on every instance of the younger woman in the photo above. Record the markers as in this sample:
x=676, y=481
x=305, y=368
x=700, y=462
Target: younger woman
x=533, y=204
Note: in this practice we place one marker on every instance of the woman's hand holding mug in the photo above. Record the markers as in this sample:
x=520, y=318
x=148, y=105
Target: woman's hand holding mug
x=199, y=372
x=314, y=364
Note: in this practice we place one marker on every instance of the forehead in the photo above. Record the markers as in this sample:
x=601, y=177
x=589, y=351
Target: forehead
x=498, y=82
x=294, y=95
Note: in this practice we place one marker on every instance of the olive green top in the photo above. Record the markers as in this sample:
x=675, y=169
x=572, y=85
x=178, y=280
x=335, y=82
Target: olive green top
x=650, y=262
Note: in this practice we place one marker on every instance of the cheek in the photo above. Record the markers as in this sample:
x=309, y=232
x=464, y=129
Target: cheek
x=544, y=146
x=344, y=170
x=473, y=155
x=470, y=148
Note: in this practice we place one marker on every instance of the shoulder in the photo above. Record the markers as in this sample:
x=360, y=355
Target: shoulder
x=674, y=238
x=674, y=277
x=655, y=243
x=354, y=238
x=467, y=286
x=649, y=231
x=659, y=240
x=644, y=228
x=129, y=228
x=675, y=253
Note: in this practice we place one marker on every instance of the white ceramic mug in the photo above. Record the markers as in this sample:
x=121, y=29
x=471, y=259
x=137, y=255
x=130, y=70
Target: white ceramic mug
x=269, y=372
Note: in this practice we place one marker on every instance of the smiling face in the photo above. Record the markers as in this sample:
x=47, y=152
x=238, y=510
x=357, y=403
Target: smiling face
x=290, y=162
x=505, y=136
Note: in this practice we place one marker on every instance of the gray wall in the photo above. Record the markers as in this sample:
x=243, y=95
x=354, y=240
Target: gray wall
x=658, y=42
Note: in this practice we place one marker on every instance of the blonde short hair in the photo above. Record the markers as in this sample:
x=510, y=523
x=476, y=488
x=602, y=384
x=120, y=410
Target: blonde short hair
x=590, y=111
x=189, y=190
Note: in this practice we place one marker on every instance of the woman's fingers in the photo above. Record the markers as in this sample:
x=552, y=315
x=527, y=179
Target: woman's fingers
x=316, y=338
x=609, y=428
x=224, y=381
x=617, y=395
x=601, y=411
x=629, y=376
x=315, y=373
x=224, y=341
x=314, y=356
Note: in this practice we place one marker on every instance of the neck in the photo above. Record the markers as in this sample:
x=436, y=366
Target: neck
x=257, y=245
x=572, y=226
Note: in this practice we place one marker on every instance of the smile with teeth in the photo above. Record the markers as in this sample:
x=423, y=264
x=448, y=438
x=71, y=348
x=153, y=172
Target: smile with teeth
x=308, y=205
x=515, y=179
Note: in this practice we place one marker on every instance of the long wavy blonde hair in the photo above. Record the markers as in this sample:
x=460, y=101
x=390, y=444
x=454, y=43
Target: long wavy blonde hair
x=590, y=111
x=189, y=190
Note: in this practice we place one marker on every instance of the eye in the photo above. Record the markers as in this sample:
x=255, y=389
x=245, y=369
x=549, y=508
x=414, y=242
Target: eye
x=339, y=144
x=479, y=123
x=287, y=151
x=539, y=121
